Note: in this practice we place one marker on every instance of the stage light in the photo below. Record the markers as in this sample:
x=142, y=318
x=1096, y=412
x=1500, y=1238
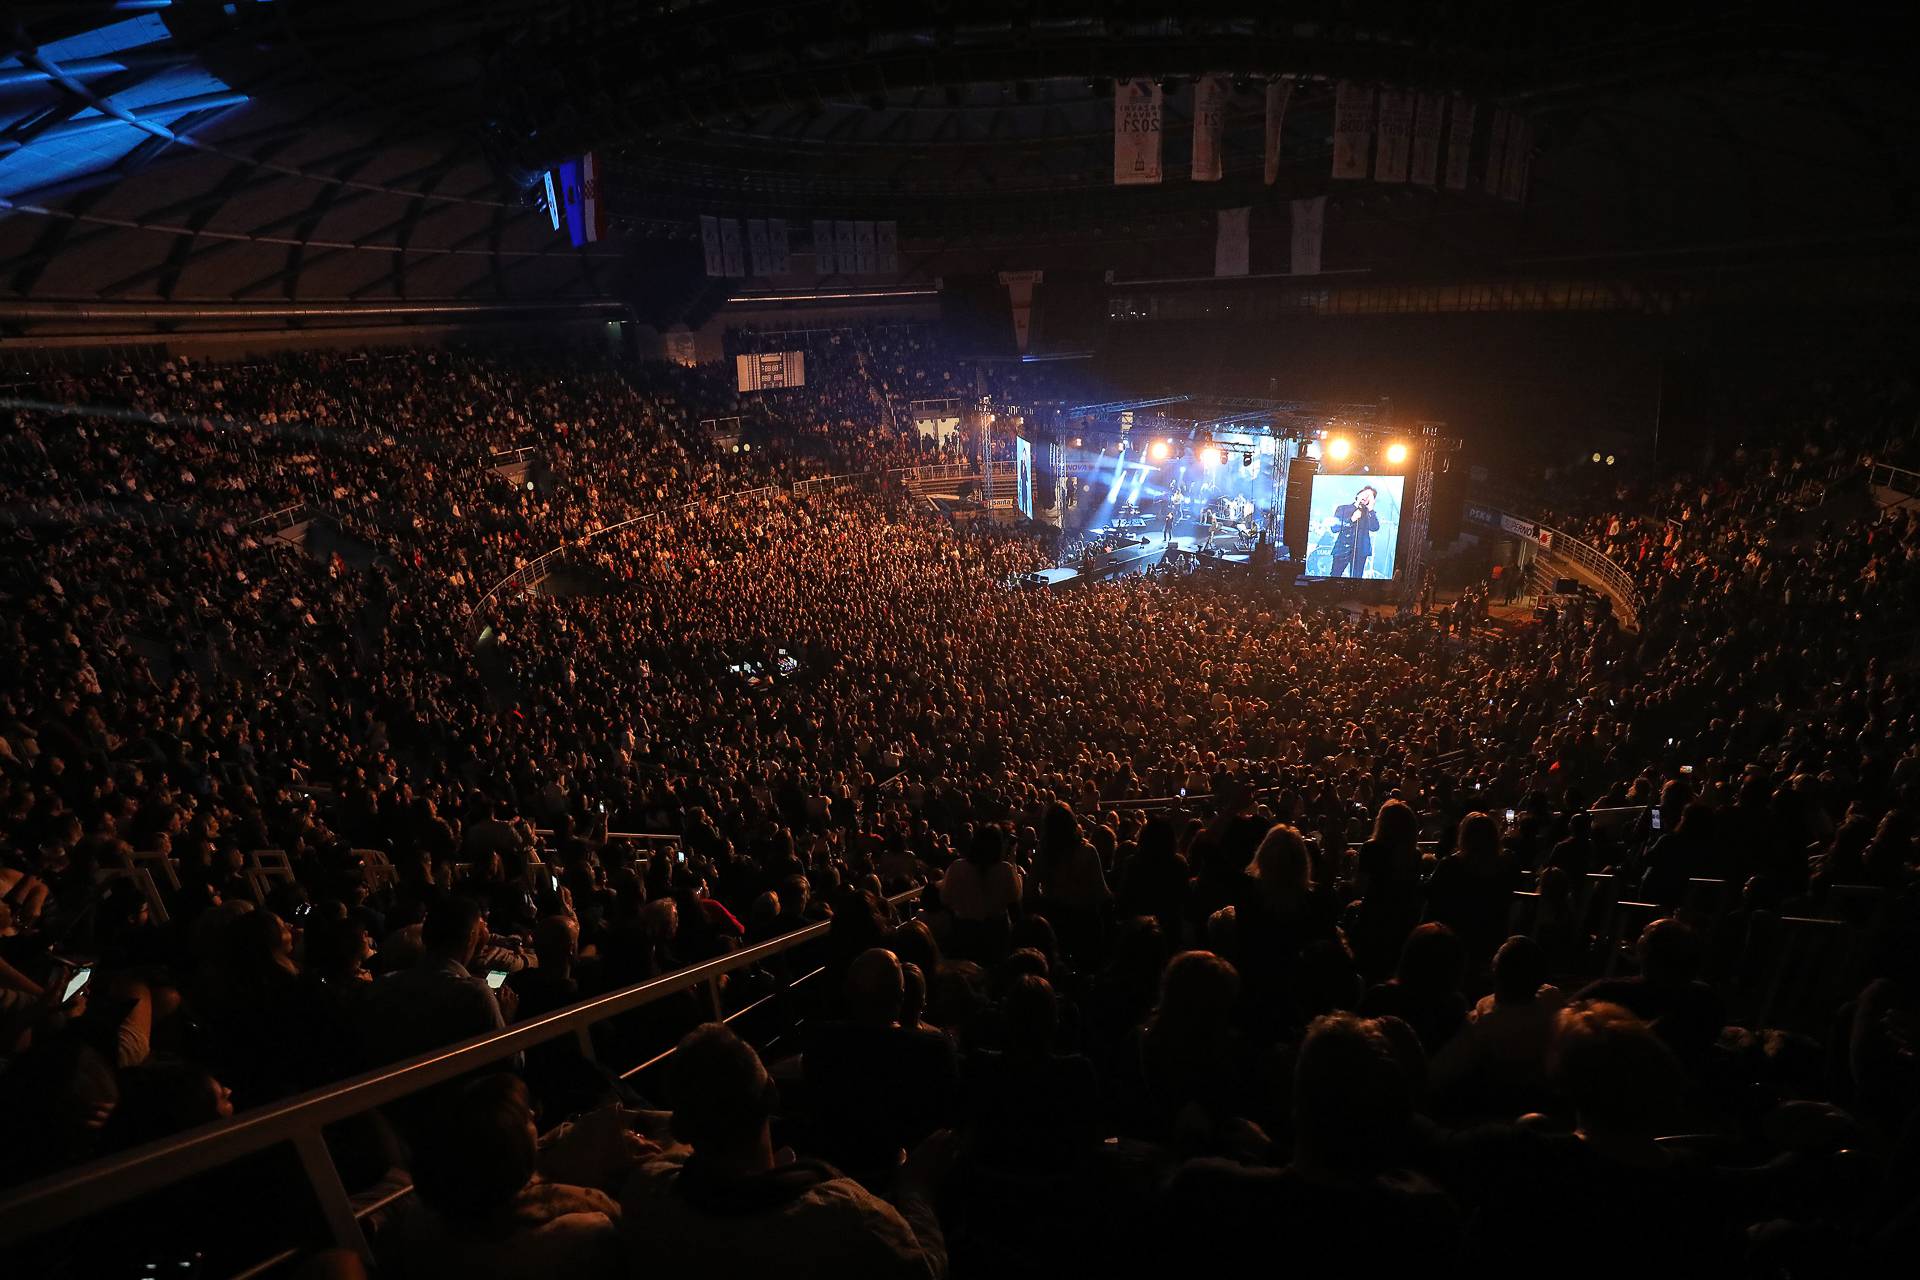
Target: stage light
x=1596, y=457
x=1339, y=448
x=1396, y=453
x=1609, y=459
x=1160, y=450
x=1210, y=455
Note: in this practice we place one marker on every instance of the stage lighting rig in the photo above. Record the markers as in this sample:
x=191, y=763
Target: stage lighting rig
x=1339, y=449
x=1160, y=450
x=1396, y=454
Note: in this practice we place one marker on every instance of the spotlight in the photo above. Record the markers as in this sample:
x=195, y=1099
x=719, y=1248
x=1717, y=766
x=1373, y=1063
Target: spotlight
x=1210, y=455
x=1609, y=459
x=1339, y=448
x=1596, y=457
x=1160, y=450
x=1396, y=453
x=1246, y=459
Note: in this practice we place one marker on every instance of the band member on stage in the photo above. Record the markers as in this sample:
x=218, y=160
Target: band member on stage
x=1355, y=524
x=1166, y=529
x=1209, y=523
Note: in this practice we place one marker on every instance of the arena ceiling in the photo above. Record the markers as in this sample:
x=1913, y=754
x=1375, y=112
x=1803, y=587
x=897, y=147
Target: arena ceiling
x=265, y=153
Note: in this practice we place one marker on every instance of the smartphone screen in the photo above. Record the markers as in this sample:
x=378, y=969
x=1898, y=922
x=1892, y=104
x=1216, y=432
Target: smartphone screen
x=77, y=983
x=496, y=978
x=1509, y=817
x=1656, y=819
x=682, y=856
x=556, y=882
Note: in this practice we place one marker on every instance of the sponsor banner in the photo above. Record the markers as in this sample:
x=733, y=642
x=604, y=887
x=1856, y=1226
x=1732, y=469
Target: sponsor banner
x=1309, y=223
x=1396, y=136
x=1352, y=129
x=710, y=243
x=1427, y=116
x=1137, y=108
x=826, y=258
x=1231, y=252
x=779, y=260
x=1459, y=144
x=1509, y=524
x=1209, y=125
x=1278, y=92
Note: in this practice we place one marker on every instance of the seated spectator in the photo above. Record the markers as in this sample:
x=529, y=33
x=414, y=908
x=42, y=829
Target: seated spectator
x=1662, y=1211
x=1031, y=1108
x=1424, y=991
x=1667, y=994
x=1497, y=1063
x=723, y=1204
x=484, y=1211
x=874, y=1087
x=437, y=1001
x=1472, y=890
x=1347, y=1184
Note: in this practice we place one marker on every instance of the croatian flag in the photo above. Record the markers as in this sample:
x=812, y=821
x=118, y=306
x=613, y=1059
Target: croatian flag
x=580, y=202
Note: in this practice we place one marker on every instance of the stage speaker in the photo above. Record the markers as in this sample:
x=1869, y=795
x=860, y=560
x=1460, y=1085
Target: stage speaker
x=1566, y=586
x=1293, y=516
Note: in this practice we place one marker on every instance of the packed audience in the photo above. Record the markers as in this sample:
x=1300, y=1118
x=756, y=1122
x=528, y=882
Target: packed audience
x=1166, y=918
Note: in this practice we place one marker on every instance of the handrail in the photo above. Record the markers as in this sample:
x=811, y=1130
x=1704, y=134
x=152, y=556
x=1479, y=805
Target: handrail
x=282, y=518
x=1559, y=544
x=1899, y=479
x=70, y=1194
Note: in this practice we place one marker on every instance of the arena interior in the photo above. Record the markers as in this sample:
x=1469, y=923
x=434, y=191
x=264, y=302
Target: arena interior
x=971, y=638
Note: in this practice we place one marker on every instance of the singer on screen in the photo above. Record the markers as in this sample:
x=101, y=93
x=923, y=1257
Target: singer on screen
x=1355, y=523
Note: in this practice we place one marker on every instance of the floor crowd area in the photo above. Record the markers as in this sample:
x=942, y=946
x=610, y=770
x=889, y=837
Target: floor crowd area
x=1170, y=920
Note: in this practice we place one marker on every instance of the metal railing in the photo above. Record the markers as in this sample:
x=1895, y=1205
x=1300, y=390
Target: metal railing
x=1557, y=546
x=88, y=1189
x=283, y=518
x=1899, y=479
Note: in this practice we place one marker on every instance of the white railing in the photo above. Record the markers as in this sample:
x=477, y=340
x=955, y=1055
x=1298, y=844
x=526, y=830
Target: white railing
x=284, y=518
x=1899, y=479
x=1557, y=545
x=88, y=1189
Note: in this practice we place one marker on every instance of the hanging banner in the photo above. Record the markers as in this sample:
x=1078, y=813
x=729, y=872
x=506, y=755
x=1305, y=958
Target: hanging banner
x=1309, y=222
x=886, y=239
x=826, y=261
x=731, y=248
x=1513, y=183
x=1460, y=144
x=1023, y=475
x=778, y=258
x=1352, y=129
x=1278, y=91
x=1396, y=136
x=863, y=248
x=848, y=241
x=1426, y=139
x=1209, y=125
x=1496, y=153
x=1231, y=251
x=1020, y=293
x=757, y=251
x=710, y=243
x=593, y=210
x=1136, y=131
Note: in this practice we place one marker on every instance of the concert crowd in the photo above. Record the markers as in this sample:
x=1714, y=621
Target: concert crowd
x=1167, y=918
